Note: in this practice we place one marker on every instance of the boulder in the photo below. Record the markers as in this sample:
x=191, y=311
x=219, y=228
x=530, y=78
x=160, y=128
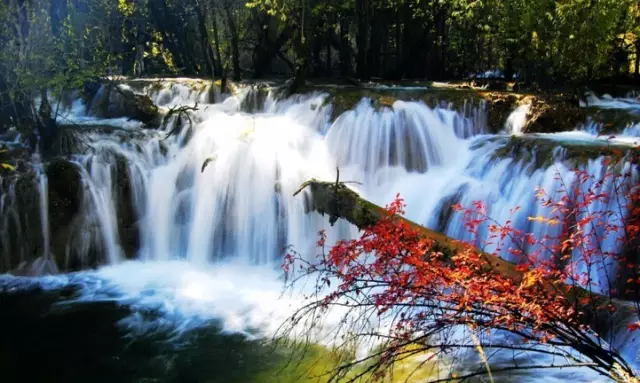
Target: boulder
x=115, y=101
x=128, y=229
x=65, y=194
x=553, y=114
x=20, y=226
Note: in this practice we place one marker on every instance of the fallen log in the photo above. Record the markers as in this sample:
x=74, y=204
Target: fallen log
x=340, y=202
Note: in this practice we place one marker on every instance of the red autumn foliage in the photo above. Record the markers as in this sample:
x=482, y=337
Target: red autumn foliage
x=556, y=300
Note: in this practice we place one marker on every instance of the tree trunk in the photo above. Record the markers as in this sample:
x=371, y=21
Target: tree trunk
x=317, y=45
x=6, y=108
x=161, y=16
x=267, y=48
x=262, y=52
x=329, y=63
x=201, y=9
x=216, y=44
x=47, y=127
x=58, y=13
x=302, y=52
x=637, y=57
x=139, y=61
x=441, y=40
x=338, y=201
x=235, y=41
x=375, y=41
x=405, y=65
x=362, y=38
x=345, y=48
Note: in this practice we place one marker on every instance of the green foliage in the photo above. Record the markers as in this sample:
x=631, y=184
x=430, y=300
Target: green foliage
x=48, y=45
x=557, y=40
x=58, y=45
x=126, y=8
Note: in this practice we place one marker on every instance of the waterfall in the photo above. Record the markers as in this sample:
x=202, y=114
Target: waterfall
x=177, y=91
x=212, y=207
x=597, y=128
x=239, y=205
x=222, y=188
x=517, y=120
x=44, y=214
x=607, y=102
x=409, y=135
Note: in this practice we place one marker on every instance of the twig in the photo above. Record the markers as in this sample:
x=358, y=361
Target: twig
x=180, y=111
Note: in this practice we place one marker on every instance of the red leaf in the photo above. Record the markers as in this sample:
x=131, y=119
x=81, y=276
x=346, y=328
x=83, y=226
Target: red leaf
x=634, y=326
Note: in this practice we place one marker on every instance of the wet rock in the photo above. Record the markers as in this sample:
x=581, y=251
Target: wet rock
x=64, y=192
x=543, y=151
x=125, y=210
x=547, y=113
x=445, y=209
x=553, y=114
x=493, y=84
x=612, y=121
x=12, y=156
x=115, y=101
x=89, y=90
x=65, y=201
x=500, y=107
x=20, y=226
x=72, y=139
x=256, y=97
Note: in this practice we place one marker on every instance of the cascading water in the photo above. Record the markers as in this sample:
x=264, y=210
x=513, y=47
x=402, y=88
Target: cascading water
x=607, y=102
x=411, y=136
x=48, y=265
x=631, y=130
x=218, y=195
x=517, y=119
x=239, y=205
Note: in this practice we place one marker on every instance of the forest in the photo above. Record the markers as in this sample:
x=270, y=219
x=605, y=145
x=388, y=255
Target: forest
x=56, y=44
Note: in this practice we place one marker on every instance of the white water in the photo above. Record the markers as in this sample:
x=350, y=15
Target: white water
x=517, y=119
x=630, y=134
x=607, y=102
x=44, y=214
x=230, y=222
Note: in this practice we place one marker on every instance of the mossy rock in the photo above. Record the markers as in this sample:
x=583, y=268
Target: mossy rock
x=554, y=114
x=25, y=233
x=141, y=108
x=345, y=99
x=548, y=113
x=500, y=107
x=89, y=91
x=11, y=158
x=613, y=120
x=64, y=192
x=445, y=209
x=114, y=101
x=125, y=210
x=543, y=150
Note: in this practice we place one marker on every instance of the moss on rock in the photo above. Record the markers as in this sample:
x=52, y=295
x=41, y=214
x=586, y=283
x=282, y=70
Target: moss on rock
x=64, y=192
x=613, y=121
x=550, y=114
x=25, y=229
x=125, y=209
x=114, y=101
x=545, y=150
